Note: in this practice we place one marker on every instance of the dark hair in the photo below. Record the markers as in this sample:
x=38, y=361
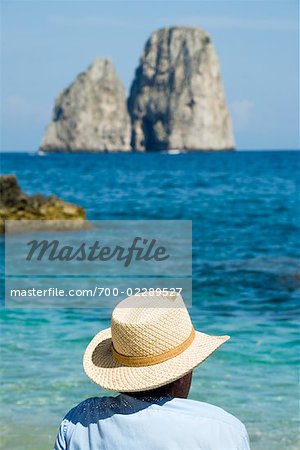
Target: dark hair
x=162, y=391
x=178, y=388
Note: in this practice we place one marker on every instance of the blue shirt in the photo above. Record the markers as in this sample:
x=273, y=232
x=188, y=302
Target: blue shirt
x=127, y=423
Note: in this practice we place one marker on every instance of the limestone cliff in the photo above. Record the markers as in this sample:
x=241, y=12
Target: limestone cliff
x=177, y=99
x=90, y=114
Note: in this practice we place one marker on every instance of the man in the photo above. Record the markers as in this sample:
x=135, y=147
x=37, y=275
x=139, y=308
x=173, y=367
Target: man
x=148, y=355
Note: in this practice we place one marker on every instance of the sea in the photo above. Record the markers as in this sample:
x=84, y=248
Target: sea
x=246, y=283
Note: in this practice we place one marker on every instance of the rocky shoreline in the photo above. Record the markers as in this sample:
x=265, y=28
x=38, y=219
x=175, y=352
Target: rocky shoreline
x=47, y=213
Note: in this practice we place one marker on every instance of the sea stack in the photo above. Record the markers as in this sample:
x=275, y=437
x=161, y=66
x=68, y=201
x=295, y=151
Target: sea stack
x=177, y=98
x=90, y=114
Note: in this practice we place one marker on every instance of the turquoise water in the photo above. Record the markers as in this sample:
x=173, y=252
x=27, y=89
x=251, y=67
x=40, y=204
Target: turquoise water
x=246, y=273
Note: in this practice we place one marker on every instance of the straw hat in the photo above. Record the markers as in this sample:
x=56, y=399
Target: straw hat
x=151, y=342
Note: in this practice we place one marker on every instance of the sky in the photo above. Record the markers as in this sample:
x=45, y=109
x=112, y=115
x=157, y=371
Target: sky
x=45, y=44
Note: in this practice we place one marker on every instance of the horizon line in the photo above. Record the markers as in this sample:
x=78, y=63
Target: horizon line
x=155, y=151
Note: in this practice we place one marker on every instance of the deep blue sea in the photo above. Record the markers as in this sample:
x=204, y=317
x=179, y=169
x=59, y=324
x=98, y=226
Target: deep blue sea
x=245, y=283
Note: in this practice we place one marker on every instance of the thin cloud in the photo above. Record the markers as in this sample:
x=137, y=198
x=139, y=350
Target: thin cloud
x=18, y=107
x=242, y=113
x=233, y=22
x=91, y=21
x=219, y=22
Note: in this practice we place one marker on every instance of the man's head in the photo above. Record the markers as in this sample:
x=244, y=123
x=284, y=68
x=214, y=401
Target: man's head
x=179, y=388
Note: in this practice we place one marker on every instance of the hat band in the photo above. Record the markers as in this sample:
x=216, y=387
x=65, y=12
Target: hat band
x=141, y=361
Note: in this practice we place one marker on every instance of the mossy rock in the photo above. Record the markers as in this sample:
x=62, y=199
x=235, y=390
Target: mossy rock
x=55, y=213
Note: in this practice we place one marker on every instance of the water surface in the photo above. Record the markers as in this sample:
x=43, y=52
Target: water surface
x=245, y=214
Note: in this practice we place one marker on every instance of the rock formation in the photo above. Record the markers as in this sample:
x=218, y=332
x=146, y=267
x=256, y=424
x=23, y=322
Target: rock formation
x=55, y=214
x=90, y=114
x=177, y=99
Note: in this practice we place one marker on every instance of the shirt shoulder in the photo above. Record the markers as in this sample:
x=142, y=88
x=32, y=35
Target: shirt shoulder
x=83, y=414
x=205, y=411
x=93, y=409
x=218, y=426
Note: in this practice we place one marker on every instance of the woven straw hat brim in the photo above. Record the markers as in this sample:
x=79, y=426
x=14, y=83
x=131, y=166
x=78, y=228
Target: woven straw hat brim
x=103, y=370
